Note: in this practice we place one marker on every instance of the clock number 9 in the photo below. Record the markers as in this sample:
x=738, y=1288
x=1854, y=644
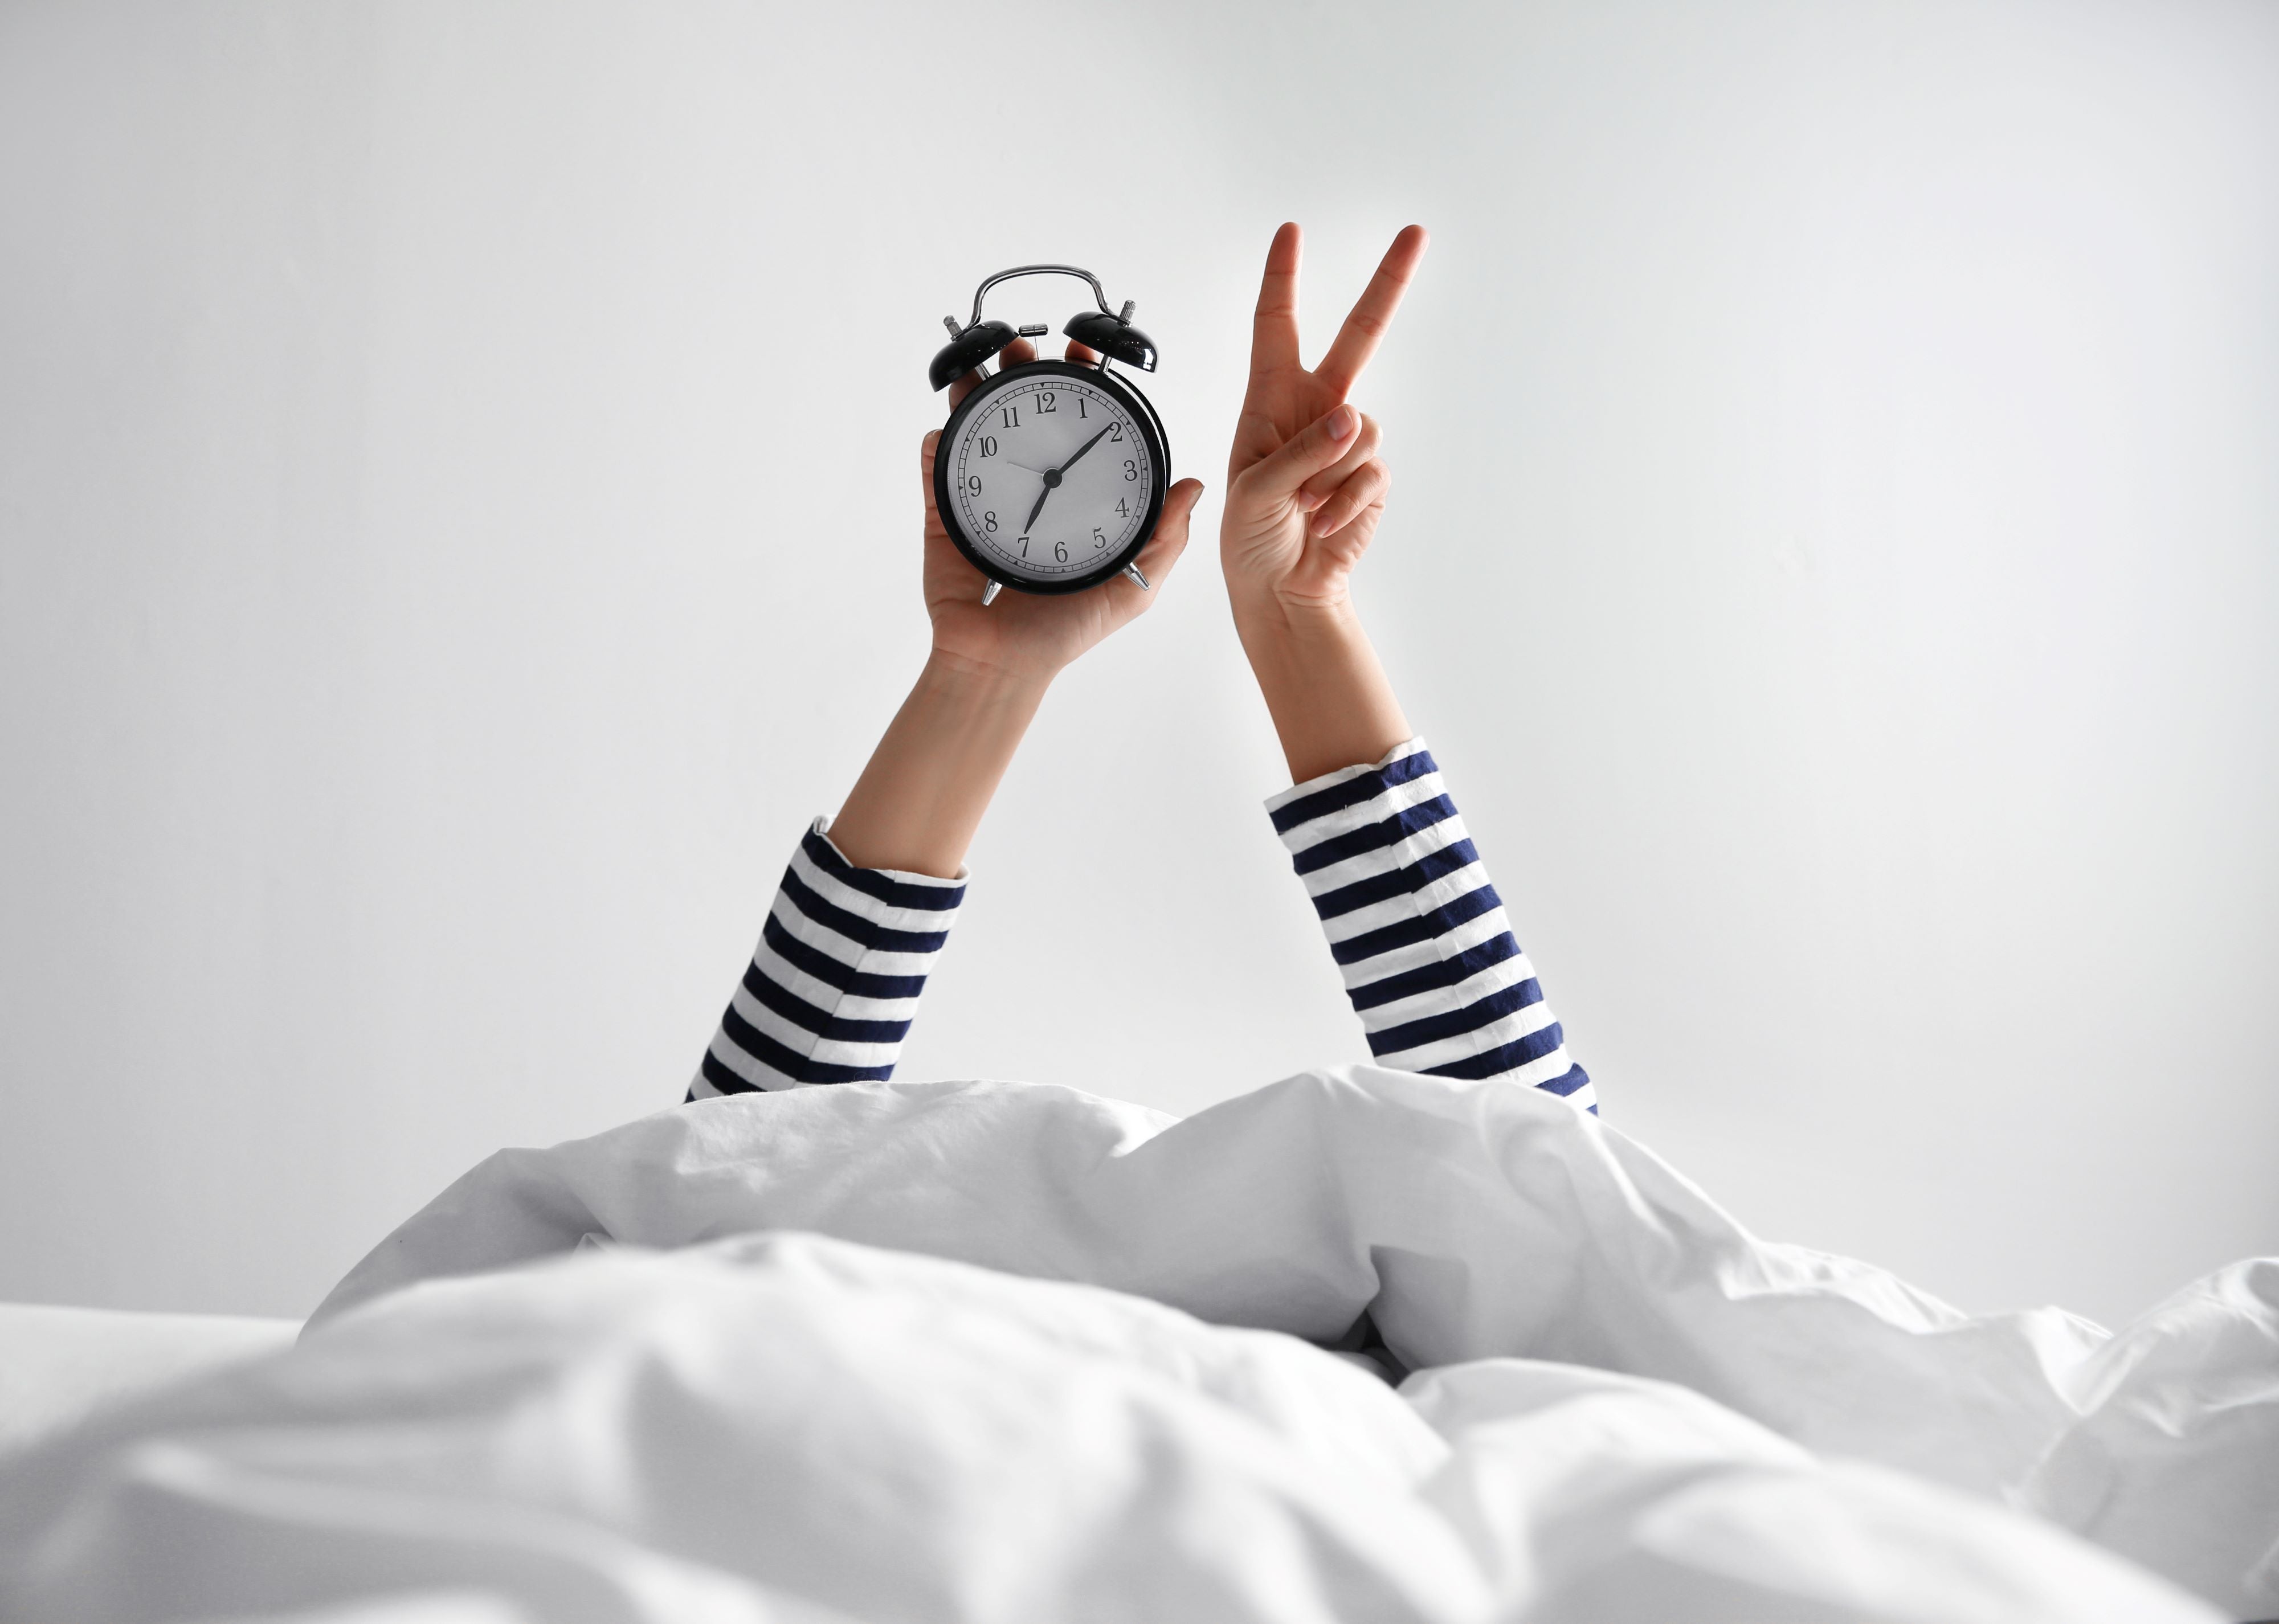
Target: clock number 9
x=973, y=484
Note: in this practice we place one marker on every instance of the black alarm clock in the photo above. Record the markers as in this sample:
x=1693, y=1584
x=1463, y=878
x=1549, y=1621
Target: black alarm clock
x=1050, y=476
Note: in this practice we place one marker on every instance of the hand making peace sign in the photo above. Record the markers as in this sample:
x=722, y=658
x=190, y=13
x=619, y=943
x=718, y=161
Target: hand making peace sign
x=1305, y=488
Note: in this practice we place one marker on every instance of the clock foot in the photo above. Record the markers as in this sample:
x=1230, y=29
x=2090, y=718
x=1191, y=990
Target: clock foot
x=1132, y=573
x=989, y=593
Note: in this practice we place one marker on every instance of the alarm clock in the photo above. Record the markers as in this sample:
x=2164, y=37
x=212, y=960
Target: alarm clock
x=1050, y=475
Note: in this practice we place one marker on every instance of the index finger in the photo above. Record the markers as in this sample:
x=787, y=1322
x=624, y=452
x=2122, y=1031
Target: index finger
x=1274, y=331
x=1372, y=312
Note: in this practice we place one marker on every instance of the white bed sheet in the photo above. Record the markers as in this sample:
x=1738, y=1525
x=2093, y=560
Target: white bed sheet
x=995, y=1352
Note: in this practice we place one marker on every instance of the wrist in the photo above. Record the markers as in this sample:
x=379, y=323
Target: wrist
x=1322, y=682
x=1273, y=622
x=961, y=678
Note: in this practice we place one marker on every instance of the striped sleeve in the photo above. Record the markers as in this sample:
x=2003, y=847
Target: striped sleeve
x=831, y=989
x=1417, y=930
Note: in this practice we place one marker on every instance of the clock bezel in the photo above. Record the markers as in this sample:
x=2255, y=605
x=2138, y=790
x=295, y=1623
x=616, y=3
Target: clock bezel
x=1142, y=412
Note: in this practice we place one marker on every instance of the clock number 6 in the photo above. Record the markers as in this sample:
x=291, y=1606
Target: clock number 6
x=1060, y=552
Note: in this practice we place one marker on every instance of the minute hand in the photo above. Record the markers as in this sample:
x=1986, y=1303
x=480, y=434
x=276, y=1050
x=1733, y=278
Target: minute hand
x=1081, y=450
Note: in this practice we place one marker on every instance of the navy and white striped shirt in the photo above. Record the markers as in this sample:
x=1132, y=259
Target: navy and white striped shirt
x=1417, y=930
x=831, y=989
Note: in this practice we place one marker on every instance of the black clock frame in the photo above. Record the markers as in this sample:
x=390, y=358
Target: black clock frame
x=1142, y=412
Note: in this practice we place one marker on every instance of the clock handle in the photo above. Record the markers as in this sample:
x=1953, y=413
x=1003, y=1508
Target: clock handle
x=1098, y=292
x=1108, y=333
x=1132, y=573
x=989, y=593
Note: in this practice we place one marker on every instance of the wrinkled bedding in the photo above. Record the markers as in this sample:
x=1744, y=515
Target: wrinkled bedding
x=1005, y=1351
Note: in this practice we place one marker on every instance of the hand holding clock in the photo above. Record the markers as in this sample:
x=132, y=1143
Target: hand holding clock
x=922, y=796
x=1030, y=637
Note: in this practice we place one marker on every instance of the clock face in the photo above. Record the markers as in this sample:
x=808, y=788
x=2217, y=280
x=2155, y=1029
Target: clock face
x=1051, y=478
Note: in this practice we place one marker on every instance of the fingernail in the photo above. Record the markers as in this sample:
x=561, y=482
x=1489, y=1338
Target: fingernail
x=1308, y=503
x=1342, y=422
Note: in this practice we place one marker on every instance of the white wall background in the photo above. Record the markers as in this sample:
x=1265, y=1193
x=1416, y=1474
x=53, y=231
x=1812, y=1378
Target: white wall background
x=458, y=517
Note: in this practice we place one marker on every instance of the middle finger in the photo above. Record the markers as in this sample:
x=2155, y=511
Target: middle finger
x=1372, y=312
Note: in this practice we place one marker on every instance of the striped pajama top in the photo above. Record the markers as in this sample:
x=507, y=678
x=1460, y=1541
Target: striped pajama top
x=1417, y=931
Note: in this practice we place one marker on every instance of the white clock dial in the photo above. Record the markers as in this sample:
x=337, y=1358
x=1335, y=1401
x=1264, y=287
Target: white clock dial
x=1051, y=477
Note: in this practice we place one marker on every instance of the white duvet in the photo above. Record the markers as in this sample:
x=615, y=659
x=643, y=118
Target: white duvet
x=998, y=1352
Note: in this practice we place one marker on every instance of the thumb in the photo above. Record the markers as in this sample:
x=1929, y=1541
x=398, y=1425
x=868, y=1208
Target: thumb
x=1164, y=548
x=1311, y=449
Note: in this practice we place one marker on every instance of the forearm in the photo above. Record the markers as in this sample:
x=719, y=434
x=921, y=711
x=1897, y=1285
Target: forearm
x=920, y=800
x=862, y=913
x=1331, y=702
x=1418, y=933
